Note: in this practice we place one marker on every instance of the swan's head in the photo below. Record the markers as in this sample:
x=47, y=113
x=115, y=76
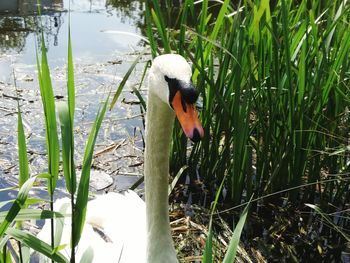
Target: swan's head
x=170, y=79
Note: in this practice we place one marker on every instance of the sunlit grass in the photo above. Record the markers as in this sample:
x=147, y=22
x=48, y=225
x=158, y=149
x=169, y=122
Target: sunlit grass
x=274, y=85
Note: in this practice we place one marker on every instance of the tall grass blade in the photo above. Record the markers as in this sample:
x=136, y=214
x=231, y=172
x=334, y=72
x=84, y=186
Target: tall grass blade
x=137, y=92
x=67, y=146
x=25, y=253
x=3, y=241
x=17, y=205
x=176, y=179
x=83, y=188
x=160, y=24
x=208, y=249
x=213, y=36
x=5, y=255
x=31, y=213
x=69, y=142
x=161, y=31
x=87, y=256
x=343, y=53
x=329, y=221
x=8, y=189
x=125, y=79
x=22, y=150
x=149, y=31
x=29, y=201
x=232, y=247
x=36, y=244
x=47, y=96
x=70, y=81
x=141, y=99
x=60, y=225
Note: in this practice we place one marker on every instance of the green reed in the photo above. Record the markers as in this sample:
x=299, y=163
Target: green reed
x=78, y=193
x=273, y=82
x=274, y=95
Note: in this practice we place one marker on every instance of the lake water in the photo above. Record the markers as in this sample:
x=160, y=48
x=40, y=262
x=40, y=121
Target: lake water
x=89, y=18
x=105, y=42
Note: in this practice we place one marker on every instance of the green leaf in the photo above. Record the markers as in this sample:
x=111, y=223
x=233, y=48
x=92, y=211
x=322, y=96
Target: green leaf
x=125, y=78
x=176, y=178
x=60, y=226
x=329, y=221
x=25, y=251
x=34, y=200
x=8, y=256
x=47, y=97
x=68, y=140
x=214, y=34
x=83, y=189
x=3, y=241
x=67, y=146
x=149, y=30
x=88, y=256
x=5, y=256
x=10, y=215
x=161, y=30
x=36, y=244
x=22, y=150
x=27, y=214
x=137, y=92
x=139, y=96
x=70, y=80
x=232, y=247
x=29, y=201
x=8, y=189
x=18, y=204
x=208, y=249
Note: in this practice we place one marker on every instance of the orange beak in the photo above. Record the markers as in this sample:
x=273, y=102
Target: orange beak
x=188, y=118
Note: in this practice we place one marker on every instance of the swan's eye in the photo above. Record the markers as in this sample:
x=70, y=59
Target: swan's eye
x=173, y=87
x=189, y=94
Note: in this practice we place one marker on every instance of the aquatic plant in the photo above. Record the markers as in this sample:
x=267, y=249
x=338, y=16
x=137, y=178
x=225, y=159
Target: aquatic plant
x=274, y=87
x=79, y=195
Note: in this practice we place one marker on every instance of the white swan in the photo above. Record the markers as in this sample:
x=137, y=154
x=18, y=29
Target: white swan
x=135, y=232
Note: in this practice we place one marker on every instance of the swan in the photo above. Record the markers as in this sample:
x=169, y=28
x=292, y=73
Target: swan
x=134, y=230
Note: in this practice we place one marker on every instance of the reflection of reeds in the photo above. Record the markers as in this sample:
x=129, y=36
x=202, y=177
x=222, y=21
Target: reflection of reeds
x=19, y=20
x=274, y=86
x=29, y=7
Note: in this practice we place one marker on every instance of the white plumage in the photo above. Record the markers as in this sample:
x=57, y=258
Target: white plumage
x=115, y=225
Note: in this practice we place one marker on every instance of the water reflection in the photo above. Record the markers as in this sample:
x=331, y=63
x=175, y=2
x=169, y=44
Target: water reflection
x=18, y=19
x=100, y=59
x=127, y=10
x=29, y=7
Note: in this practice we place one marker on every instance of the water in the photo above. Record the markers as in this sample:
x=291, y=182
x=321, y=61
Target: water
x=101, y=58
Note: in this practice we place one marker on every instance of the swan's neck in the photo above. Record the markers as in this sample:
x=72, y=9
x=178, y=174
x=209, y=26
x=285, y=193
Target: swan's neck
x=159, y=126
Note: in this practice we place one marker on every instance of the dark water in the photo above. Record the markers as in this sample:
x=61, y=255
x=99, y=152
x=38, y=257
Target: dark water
x=106, y=37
